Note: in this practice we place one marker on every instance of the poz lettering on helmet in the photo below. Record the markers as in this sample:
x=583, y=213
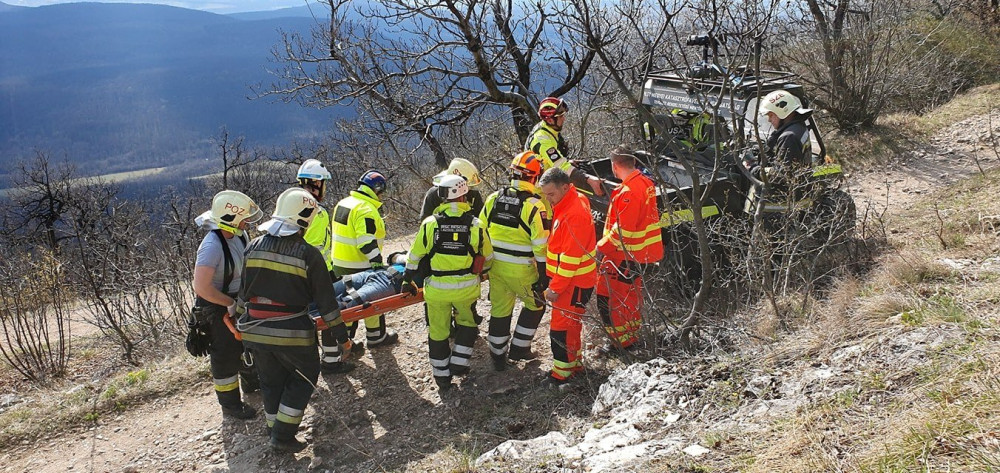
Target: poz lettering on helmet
x=235, y=208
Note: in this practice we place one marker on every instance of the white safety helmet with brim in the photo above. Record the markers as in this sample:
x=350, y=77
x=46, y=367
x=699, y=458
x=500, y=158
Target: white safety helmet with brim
x=461, y=167
x=452, y=186
x=230, y=209
x=313, y=170
x=293, y=211
x=782, y=103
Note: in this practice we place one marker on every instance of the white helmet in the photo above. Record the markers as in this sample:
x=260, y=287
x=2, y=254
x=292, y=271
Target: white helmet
x=461, y=167
x=782, y=103
x=451, y=187
x=313, y=170
x=231, y=208
x=294, y=210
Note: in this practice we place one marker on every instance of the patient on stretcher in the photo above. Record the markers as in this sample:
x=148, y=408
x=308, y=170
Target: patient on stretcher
x=369, y=286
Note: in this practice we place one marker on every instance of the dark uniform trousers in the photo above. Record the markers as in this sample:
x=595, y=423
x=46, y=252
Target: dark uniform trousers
x=226, y=359
x=288, y=375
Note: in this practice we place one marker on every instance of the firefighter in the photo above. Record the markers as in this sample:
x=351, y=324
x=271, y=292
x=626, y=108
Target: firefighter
x=452, y=249
x=789, y=159
x=460, y=167
x=789, y=143
x=358, y=231
x=572, y=269
x=547, y=142
x=283, y=275
x=518, y=225
x=218, y=271
x=313, y=177
x=632, y=241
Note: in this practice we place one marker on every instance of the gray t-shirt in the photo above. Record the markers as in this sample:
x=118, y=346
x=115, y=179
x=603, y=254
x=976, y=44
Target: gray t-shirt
x=210, y=254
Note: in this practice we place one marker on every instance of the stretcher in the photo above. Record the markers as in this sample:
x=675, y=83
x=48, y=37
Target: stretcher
x=354, y=314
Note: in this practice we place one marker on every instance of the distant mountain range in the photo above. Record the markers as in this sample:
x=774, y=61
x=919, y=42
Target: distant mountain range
x=305, y=11
x=117, y=87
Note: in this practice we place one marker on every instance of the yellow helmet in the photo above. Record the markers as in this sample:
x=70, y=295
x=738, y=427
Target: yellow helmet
x=461, y=167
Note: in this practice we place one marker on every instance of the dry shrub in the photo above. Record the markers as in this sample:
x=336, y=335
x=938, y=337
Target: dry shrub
x=34, y=315
x=911, y=268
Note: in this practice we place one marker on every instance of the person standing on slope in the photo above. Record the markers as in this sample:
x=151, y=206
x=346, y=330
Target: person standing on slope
x=547, y=142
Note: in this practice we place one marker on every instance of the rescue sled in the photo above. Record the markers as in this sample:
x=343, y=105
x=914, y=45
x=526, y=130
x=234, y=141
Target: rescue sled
x=354, y=314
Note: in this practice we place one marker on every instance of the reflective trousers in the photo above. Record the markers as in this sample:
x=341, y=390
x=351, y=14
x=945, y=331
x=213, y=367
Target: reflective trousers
x=225, y=359
x=564, y=333
x=287, y=377
x=442, y=355
x=619, y=301
x=506, y=286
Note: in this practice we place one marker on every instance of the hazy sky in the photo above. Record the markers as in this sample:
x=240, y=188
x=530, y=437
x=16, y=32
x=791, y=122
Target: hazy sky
x=216, y=6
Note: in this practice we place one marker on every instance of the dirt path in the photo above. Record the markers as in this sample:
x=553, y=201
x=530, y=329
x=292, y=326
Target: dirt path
x=386, y=415
x=951, y=155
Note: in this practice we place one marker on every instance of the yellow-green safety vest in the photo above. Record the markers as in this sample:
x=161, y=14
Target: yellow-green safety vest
x=358, y=230
x=320, y=235
x=451, y=261
x=517, y=222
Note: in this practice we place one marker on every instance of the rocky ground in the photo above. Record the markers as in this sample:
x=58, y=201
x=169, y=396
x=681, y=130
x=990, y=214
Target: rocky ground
x=388, y=415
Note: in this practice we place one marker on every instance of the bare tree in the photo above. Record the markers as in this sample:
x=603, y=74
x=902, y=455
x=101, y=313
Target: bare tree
x=236, y=157
x=42, y=192
x=862, y=59
x=423, y=66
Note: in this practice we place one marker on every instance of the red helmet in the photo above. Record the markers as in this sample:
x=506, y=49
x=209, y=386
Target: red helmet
x=552, y=107
x=526, y=164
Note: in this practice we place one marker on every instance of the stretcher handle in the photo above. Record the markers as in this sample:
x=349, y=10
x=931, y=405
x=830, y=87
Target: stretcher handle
x=378, y=307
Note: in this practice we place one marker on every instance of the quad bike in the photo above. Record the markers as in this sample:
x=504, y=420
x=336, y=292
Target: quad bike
x=722, y=107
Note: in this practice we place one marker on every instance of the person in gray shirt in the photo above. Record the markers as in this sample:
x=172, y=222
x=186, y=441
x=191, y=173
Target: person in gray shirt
x=217, y=276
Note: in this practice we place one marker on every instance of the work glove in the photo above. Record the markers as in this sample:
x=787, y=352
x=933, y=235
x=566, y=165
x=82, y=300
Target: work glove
x=231, y=308
x=345, y=350
x=377, y=265
x=408, y=286
x=199, y=337
x=543, y=278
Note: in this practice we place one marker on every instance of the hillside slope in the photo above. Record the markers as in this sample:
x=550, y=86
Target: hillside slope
x=134, y=86
x=895, y=371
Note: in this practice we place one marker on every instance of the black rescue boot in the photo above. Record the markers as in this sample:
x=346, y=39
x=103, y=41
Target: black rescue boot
x=243, y=411
x=339, y=367
x=292, y=445
x=499, y=362
x=390, y=338
x=443, y=383
x=521, y=354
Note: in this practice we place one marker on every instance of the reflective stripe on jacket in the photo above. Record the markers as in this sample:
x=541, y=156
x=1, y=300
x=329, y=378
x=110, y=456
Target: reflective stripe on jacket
x=549, y=146
x=451, y=267
x=515, y=219
x=572, y=252
x=358, y=230
x=632, y=229
x=283, y=276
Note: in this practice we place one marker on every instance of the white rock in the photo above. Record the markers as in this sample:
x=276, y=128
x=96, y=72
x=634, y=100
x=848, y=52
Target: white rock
x=520, y=449
x=696, y=450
